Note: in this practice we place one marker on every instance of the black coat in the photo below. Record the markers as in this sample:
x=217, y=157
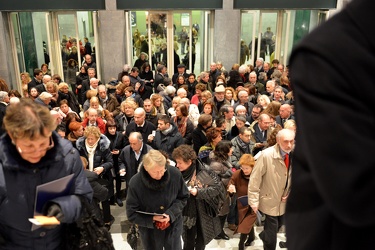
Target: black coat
x=199, y=138
x=32, y=84
x=210, y=226
x=2, y=114
x=128, y=161
x=333, y=168
x=145, y=130
x=168, y=142
x=167, y=195
x=18, y=181
x=102, y=156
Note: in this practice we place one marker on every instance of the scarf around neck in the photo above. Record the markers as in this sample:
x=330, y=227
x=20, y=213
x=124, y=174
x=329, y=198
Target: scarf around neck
x=91, y=152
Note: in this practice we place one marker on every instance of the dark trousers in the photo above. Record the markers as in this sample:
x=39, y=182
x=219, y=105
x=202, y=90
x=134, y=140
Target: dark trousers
x=194, y=237
x=233, y=211
x=272, y=225
x=107, y=217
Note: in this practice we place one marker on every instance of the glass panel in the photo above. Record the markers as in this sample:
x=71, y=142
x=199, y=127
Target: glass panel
x=248, y=31
x=267, y=32
x=158, y=23
x=197, y=19
x=70, y=51
x=18, y=41
x=181, y=26
x=140, y=37
x=28, y=38
x=301, y=25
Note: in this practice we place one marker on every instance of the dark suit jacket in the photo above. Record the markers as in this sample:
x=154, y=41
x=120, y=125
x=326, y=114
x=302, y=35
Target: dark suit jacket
x=40, y=88
x=146, y=130
x=159, y=78
x=127, y=160
x=33, y=83
x=2, y=114
x=259, y=138
x=279, y=120
x=332, y=175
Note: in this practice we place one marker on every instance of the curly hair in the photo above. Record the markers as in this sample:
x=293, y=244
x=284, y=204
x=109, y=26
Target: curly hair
x=212, y=134
x=185, y=153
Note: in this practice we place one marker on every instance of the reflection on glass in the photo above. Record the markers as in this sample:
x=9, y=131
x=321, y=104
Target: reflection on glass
x=268, y=41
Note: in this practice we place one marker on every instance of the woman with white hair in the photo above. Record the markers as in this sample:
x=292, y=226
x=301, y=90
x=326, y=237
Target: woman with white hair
x=157, y=195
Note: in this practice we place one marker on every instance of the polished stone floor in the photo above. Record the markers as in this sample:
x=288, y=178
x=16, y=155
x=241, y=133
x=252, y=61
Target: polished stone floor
x=121, y=226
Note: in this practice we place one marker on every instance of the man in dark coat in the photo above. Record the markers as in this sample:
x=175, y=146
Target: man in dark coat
x=139, y=125
x=4, y=100
x=331, y=204
x=37, y=80
x=131, y=156
x=167, y=136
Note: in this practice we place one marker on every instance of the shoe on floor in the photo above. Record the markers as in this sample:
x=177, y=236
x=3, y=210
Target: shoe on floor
x=282, y=244
x=119, y=202
x=222, y=236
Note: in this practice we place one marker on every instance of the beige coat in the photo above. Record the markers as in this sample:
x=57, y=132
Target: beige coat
x=269, y=182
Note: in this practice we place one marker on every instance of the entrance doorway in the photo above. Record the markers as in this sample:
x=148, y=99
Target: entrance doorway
x=52, y=38
x=172, y=38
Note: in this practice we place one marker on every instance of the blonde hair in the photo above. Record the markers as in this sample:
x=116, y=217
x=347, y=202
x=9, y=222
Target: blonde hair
x=153, y=158
x=62, y=85
x=92, y=130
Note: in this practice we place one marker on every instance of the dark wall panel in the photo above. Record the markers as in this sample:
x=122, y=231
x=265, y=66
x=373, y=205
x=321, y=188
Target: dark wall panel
x=45, y=5
x=285, y=4
x=168, y=4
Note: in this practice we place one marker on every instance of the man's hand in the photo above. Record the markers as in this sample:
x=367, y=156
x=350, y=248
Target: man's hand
x=98, y=170
x=255, y=209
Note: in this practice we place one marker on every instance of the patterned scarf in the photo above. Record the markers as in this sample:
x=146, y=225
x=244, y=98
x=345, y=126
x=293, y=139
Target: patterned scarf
x=181, y=124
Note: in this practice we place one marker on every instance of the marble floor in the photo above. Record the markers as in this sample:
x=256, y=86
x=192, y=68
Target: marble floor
x=121, y=226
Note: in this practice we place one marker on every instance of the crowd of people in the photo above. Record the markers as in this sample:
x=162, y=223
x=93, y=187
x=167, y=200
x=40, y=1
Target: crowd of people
x=218, y=125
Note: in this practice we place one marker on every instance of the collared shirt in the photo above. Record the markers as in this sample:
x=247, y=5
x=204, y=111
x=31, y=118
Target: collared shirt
x=138, y=155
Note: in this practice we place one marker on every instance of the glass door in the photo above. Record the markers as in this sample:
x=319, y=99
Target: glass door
x=268, y=34
x=70, y=45
x=249, y=30
x=172, y=38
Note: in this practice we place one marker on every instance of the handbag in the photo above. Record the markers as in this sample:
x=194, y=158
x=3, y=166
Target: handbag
x=133, y=236
x=88, y=232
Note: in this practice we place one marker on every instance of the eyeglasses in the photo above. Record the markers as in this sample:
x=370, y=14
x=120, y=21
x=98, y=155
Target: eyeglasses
x=32, y=149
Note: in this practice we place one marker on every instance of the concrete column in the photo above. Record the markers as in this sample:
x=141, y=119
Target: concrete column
x=227, y=35
x=111, y=29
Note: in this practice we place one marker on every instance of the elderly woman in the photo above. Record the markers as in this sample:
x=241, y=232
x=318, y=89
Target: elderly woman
x=221, y=165
x=33, y=154
x=184, y=125
x=160, y=191
x=238, y=185
x=200, y=226
x=66, y=94
x=95, y=148
x=213, y=135
x=76, y=131
x=126, y=115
